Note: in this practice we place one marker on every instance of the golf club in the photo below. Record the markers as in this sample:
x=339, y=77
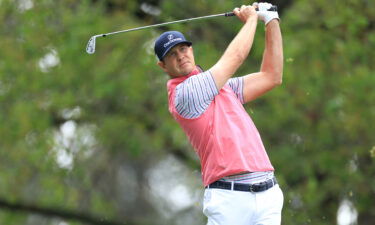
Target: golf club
x=90, y=48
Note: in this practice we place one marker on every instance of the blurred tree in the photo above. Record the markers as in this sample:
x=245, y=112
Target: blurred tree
x=83, y=138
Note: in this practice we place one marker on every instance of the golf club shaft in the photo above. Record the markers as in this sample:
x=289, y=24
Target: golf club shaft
x=90, y=48
x=273, y=8
x=166, y=23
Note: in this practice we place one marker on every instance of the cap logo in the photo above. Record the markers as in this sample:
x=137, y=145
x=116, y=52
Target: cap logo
x=171, y=39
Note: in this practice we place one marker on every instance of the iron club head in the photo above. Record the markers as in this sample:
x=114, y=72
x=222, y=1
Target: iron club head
x=90, y=48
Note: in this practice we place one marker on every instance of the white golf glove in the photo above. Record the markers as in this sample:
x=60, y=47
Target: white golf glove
x=263, y=14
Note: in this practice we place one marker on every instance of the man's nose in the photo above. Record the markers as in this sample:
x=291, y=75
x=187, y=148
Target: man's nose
x=179, y=55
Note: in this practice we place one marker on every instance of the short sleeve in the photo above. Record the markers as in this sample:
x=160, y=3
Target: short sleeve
x=195, y=94
x=236, y=84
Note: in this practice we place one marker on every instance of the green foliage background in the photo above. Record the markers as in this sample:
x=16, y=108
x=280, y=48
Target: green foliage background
x=318, y=126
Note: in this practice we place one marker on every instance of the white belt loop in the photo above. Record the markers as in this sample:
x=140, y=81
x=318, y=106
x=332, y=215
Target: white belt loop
x=232, y=185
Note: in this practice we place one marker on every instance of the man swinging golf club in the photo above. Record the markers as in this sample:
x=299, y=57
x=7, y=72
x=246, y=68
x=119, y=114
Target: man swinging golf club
x=241, y=188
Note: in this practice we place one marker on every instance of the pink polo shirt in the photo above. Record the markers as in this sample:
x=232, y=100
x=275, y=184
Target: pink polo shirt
x=224, y=136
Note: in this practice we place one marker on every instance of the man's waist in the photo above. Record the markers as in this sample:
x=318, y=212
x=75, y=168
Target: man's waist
x=256, y=187
x=249, y=177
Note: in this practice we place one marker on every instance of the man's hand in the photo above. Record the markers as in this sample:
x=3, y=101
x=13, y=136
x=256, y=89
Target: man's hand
x=245, y=13
x=263, y=14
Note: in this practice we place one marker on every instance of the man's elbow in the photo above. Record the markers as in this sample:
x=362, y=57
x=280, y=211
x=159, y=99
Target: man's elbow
x=279, y=79
x=276, y=78
x=274, y=74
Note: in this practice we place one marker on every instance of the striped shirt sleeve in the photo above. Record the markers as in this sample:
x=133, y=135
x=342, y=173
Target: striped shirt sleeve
x=236, y=84
x=194, y=95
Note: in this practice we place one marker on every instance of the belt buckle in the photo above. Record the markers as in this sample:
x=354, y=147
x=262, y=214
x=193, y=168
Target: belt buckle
x=251, y=188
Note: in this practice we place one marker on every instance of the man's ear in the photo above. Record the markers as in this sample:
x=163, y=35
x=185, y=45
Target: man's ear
x=161, y=64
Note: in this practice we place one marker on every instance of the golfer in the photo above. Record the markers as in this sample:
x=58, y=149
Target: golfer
x=241, y=188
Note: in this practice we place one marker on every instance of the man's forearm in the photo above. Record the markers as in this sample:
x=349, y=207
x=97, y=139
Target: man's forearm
x=272, y=63
x=239, y=48
x=235, y=54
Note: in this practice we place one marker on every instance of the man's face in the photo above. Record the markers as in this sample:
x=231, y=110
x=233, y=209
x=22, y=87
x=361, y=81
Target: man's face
x=179, y=61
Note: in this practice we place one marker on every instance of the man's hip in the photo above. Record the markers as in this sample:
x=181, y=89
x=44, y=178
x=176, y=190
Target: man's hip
x=251, y=204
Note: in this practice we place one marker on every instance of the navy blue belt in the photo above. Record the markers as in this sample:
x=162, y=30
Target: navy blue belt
x=258, y=187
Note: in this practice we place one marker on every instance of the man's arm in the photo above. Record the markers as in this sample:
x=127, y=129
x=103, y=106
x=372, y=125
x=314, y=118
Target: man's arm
x=238, y=49
x=271, y=70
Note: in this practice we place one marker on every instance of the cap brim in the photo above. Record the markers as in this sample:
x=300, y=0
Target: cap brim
x=174, y=44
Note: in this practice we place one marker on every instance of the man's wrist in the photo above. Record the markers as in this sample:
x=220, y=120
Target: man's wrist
x=252, y=19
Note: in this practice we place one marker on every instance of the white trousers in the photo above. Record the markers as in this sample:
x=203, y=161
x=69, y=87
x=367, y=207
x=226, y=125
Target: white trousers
x=226, y=207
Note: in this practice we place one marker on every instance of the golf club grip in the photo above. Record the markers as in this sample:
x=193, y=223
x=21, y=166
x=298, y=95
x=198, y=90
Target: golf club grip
x=273, y=8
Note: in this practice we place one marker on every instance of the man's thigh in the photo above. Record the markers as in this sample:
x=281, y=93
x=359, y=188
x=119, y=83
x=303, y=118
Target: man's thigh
x=269, y=205
x=225, y=207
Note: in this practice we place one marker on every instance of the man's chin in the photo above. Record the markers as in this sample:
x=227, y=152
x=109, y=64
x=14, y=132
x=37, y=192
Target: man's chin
x=187, y=70
x=183, y=72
